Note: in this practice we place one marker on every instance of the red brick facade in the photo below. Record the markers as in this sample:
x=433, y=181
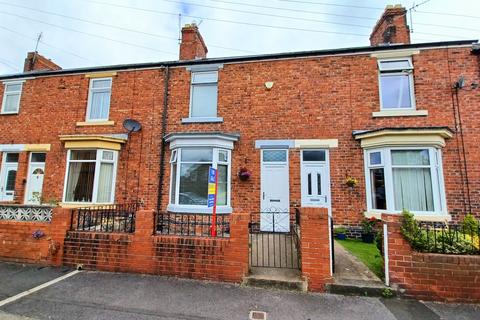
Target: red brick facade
x=430, y=276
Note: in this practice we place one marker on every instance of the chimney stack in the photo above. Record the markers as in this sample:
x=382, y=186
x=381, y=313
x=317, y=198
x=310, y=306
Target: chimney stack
x=192, y=46
x=37, y=62
x=392, y=27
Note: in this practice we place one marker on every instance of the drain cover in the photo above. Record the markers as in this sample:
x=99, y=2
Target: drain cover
x=258, y=315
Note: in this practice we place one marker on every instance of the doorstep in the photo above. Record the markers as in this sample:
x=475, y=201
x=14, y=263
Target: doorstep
x=276, y=278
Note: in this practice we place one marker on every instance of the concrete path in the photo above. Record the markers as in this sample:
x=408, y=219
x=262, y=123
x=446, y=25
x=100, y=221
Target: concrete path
x=349, y=269
x=99, y=295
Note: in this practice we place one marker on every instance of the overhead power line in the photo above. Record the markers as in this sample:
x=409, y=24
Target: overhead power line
x=113, y=26
x=269, y=14
x=449, y=14
x=9, y=64
x=48, y=44
x=333, y=4
x=87, y=33
x=293, y=10
x=227, y=21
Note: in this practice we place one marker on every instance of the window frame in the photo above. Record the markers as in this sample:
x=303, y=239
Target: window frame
x=393, y=72
x=91, y=90
x=98, y=161
x=436, y=172
x=199, y=84
x=6, y=93
x=177, y=160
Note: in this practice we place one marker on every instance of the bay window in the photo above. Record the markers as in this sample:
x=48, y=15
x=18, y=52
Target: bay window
x=90, y=176
x=189, y=178
x=405, y=179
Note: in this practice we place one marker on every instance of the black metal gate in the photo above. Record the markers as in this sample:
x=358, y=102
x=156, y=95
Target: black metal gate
x=277, y=246
x=332, y=243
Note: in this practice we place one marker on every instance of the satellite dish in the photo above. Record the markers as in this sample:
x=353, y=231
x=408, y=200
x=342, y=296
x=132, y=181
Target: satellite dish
x=132, y=125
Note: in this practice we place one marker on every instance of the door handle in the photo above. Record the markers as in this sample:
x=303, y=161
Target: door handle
x=263, y=195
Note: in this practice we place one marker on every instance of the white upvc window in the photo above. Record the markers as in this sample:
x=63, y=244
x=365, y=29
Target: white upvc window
x=11, y=97
x=90, y=176
x=396, y=84
x=189, y=178
x=203, y=94
x=99, y=94
x=405, y=178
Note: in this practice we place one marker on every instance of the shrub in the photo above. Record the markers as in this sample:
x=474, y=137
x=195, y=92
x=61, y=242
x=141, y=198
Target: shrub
x=339, y=230
x=441, y=239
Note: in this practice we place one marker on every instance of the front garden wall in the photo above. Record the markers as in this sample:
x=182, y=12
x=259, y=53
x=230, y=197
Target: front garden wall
x=431, y=276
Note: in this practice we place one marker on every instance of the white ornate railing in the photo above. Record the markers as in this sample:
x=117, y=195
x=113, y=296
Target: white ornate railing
x=26, y=213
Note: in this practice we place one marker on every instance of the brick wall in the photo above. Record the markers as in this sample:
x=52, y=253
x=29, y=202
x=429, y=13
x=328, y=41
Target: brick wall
x=17, y=243
x=223, y=259
x=431, y=276
x=311, y=98
x=315, y=248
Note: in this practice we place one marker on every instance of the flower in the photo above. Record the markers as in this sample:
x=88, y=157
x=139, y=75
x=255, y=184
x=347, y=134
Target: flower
x=351, y=181
x=244, y=173
x=38, y=234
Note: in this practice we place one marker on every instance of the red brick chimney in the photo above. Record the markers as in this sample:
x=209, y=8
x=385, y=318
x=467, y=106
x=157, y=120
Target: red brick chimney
x=37, y=62
x=392, y=27
x=192, y=45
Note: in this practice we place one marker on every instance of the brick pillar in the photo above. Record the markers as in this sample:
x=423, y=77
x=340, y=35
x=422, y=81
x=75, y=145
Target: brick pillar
x=140, y=251
x=59, y=226
x=399, y=250
x=315, y=247
x=236, y=254
x=21, y=179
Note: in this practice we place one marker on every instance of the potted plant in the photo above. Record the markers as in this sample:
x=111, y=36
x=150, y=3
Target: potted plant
x=351, y=182
x=368, y=234
x=244, y=174
x=340, y=233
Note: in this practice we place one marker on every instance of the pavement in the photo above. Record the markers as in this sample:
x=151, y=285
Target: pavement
x=102, y=295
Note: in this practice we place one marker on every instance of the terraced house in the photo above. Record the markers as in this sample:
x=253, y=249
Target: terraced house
x=354, y=131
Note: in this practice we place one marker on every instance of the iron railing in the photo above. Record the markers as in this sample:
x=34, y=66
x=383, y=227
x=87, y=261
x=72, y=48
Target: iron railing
x=108, y=218
x=274, y=240
x=191, y=224
x=446, y=238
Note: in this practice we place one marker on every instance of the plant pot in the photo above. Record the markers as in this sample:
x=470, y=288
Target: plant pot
x=341, y=236
x=243, y=177
x=368, y=237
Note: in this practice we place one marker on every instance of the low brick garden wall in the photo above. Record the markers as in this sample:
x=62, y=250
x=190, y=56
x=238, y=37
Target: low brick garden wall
x=431, y=276
x=224, y=259
x=17, y=243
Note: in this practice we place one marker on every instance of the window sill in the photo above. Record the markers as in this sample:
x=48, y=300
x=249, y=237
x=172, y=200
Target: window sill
x=74, y=205
x=8, y=113
x=202, y=120
x=400, y=113
x=95, y=123
x=191, y=209
x=438, y=217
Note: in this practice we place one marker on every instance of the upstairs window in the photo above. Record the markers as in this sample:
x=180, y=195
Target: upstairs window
x=203, y=94
x=99, y=99
x=11, y=97
x=396, y=84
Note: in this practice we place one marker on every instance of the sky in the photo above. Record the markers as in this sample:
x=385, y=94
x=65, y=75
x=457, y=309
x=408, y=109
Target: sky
x=85, y=33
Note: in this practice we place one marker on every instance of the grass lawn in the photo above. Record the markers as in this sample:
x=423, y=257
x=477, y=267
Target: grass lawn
x=367, y=253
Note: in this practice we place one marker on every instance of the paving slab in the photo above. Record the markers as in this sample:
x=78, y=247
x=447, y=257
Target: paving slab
x=16, y=278
x=455, y=311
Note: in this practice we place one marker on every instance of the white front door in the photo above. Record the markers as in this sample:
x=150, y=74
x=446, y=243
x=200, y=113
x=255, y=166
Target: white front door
x=8, y=174
x=36, y=171
x=275, y=202
x=315, y=179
